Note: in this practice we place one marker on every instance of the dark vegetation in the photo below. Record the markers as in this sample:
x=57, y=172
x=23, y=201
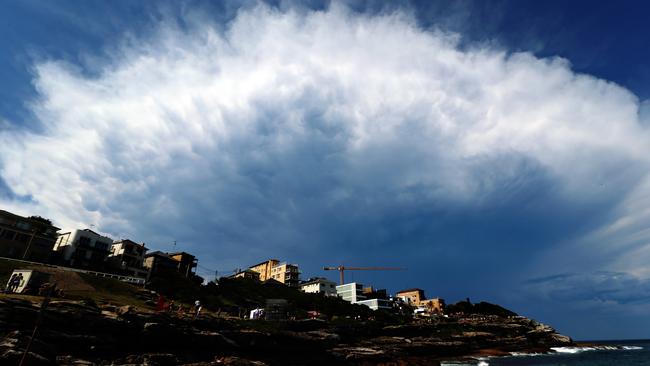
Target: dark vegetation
x=238, y=296
x=482, y=308
x=42, y=220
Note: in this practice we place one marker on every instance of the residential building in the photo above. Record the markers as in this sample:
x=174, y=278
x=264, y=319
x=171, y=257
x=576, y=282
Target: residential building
x=31, y=238
x=187, y=263
x=433, y=306
x=351, y=292
x=159, y=263
x=371, y=293
x=127, y=257
x=83, y=249
x=264, y=268
x=285, y=273
x=319, y=285
x=412, y=296
x=415, y=297
x=247, y=273
x=376, y=304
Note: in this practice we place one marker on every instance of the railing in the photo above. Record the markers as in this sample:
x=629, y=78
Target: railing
x=129, y=279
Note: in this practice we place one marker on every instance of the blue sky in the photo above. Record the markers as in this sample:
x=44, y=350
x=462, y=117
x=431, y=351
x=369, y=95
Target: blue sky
x=498, y=150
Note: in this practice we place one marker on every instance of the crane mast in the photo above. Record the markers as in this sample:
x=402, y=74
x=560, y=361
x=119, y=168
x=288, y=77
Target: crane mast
x=342, y=269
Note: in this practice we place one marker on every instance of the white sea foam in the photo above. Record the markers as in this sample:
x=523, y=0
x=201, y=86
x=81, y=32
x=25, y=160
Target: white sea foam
x=593, y=348
x=632, y=347
x=480, y=363
x=525, y=354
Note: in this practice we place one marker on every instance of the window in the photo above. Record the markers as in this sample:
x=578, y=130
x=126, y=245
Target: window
x=84, y=241
x=23, y=238
x=23, y=225
x=8, y=234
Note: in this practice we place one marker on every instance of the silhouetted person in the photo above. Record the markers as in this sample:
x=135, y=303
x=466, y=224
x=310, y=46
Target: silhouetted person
x=12, y=283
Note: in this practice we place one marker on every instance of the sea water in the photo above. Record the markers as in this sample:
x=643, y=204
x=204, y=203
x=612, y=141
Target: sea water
x=630, y=353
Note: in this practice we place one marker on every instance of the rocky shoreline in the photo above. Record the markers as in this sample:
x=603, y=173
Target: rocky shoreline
x=79, y=333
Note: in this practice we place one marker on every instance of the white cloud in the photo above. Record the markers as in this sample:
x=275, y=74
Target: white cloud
x=286, y=121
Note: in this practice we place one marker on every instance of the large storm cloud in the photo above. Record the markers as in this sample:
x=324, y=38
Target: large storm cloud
x=329, y=136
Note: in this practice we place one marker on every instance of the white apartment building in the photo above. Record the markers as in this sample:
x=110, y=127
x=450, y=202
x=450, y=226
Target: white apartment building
x=376, y=304
x=83, y=248
x=351, y=292
x=319, y=286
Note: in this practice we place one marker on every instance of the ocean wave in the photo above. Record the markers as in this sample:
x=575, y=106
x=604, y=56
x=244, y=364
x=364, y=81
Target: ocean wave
x=526, y=354
x=632, y=347
x=593, y=348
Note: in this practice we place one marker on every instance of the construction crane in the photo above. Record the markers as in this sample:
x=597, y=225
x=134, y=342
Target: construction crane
x=342, y=269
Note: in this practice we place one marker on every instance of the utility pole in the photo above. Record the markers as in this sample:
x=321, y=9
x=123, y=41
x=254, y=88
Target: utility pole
x=29, y=244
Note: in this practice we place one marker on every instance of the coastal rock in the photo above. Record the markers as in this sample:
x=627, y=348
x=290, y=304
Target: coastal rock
x=237, y=361
x=78, y=333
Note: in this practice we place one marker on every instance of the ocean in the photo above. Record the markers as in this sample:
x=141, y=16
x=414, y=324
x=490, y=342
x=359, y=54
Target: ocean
x=633, y=353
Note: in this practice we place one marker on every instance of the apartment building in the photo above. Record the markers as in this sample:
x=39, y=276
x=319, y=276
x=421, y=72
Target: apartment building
x=376, y=304
x=127, y=257
x=285, y=273
x=319, y=285
x=351, y=292
x=30, y=238
x=187, y=263
x=83, y=249
x=161, y=264
x=247, y=273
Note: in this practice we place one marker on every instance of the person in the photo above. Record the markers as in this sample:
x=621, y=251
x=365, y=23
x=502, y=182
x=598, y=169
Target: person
x=170, y=306
x=20, y=282
x=11, y=284
x=197, y=308
x=160, y=304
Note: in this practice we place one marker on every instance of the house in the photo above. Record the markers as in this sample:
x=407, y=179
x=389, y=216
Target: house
x=319, y=285
x=247, y=273
x=415, y=297
x=412, y=296
x=187, y=263
x=83, y=249
x=127, y=257
x=351, y=292
x=285, y=273
x=433, y=306
x=30, y=238
x=161, y=264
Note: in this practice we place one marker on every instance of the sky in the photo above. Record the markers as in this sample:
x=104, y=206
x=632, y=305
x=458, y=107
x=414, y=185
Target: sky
x=498, y=150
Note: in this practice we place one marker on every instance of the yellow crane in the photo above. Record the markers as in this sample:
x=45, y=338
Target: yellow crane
x=342, y=269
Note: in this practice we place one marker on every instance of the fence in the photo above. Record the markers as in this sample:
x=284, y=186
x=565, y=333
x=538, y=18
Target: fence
x=129, y=279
